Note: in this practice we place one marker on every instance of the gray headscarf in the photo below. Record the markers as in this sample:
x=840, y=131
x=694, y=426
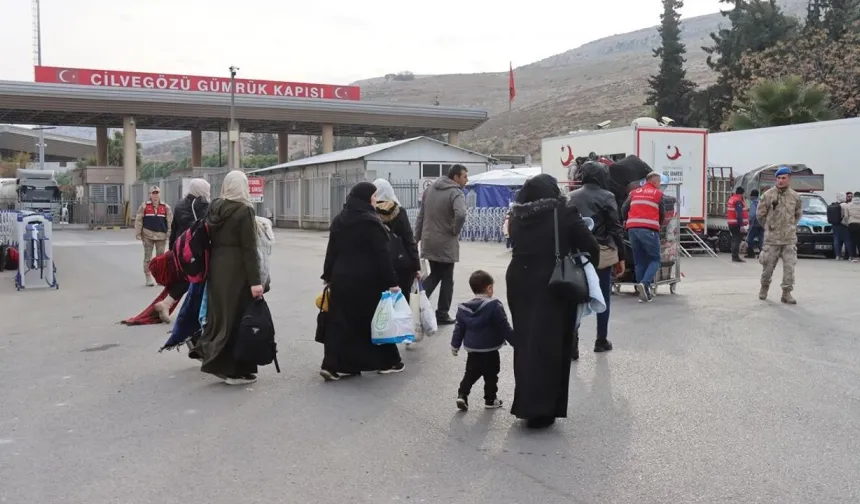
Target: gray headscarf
x=199, y=188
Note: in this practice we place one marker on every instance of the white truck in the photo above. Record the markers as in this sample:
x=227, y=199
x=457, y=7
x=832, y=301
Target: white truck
x=825, y=147
x=33, y=190
x=678, y=153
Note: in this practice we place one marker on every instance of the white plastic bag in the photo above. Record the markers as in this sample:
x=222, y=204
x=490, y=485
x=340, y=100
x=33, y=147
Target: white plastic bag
x=425, y=269
x=426, y=312
x=392, y=322
x=415, y=306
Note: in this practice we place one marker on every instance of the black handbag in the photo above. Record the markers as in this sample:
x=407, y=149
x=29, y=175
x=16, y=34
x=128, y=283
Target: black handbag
x=399, y=256
x=322, y=319
x=568, y=278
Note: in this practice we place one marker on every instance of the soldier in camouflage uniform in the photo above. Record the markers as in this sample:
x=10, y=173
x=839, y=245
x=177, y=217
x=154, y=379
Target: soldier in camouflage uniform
x=779, y=211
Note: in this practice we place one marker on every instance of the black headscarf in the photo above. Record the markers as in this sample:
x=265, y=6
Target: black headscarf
x=357, y=206
x=539, y=187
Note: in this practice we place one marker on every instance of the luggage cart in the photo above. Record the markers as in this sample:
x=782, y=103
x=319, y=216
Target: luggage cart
x=35, y=251
x=670, y=247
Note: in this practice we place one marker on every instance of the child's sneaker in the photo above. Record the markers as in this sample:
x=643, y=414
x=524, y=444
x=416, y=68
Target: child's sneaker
x=494, y=404
x=463, y=403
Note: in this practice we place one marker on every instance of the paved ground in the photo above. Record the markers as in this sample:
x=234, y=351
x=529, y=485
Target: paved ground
x=710, y=396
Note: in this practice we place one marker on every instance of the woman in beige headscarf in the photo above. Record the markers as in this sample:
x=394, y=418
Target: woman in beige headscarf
x=233, y=281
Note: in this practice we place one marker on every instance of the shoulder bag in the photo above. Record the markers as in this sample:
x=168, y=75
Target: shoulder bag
x=608, y=254
x=568, y=278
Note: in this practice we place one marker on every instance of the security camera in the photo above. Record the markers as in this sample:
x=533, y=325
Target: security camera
x=604, y=124
x=667, y=120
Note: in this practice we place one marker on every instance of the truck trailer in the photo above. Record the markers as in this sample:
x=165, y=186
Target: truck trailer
x=824, y=146
x=678, y=153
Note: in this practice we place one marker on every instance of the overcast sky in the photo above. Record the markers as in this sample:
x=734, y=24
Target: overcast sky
x=330, y=41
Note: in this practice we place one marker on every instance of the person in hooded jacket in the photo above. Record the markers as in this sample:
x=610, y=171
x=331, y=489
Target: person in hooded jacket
x=594, y=200
x=543, y=323
x=482, y=327
x=233, y=281
x=357, y=269
x=403, y=248
x=194, y=206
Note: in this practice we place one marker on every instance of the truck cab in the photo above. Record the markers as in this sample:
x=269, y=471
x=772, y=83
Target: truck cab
x=37, y=191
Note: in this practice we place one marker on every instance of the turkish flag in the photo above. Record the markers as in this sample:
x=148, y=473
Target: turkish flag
x=67, y=76
x=511, y=87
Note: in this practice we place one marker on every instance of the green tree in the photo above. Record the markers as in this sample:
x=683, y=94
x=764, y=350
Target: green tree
x=263, y=143
x=116, y=147
x=755, y=26
x=781, y=103
x=669, y=88
x=839, y=17
x=340, y=143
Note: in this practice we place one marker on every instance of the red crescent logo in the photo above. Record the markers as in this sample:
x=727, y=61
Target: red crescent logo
x=672, y=156
x=566, y=162
x=71, y=79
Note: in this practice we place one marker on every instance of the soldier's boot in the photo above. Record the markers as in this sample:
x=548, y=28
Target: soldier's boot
x=787, y=298
x=762, y=293
x=149, y=281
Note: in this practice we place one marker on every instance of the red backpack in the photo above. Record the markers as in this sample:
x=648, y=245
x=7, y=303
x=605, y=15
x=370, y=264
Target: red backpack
x=191, y=252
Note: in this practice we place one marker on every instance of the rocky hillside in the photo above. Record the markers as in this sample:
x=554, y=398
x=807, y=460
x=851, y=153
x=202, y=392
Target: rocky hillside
x=602, y=80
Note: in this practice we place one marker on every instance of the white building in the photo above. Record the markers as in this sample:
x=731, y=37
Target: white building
x=308, y=192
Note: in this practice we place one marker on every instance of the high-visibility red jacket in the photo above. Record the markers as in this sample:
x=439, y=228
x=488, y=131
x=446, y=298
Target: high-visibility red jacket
x=644, y=210
x=732, y=213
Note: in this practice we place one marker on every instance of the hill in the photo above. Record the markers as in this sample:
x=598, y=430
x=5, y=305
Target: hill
x=603, y=80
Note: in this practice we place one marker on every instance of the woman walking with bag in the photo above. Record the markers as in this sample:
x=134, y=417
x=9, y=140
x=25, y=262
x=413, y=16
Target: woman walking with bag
x=233, y=281
x=404, y=250
x=594, y=200
x=357, y=270
x=543, y=322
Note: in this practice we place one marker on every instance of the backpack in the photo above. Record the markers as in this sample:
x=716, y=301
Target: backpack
x=255, y=340
x=399, y=256
x=191, y=252
x=834, y=213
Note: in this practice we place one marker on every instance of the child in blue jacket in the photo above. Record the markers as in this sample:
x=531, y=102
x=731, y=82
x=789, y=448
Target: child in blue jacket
x=481, y=327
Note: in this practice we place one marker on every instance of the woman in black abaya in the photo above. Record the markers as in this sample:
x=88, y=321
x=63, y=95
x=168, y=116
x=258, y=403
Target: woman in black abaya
x=543, y=324
x=357, y=269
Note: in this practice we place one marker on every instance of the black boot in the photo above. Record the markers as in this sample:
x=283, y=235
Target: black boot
x=602, y=345
x=576, y=345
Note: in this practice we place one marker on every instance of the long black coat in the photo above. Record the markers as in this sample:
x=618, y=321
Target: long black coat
x=358, y=268
x=543, y=324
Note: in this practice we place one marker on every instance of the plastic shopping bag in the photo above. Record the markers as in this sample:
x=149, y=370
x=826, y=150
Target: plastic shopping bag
x=425, y=269
x=426, y=313
x=392, y=322
x=415, y=306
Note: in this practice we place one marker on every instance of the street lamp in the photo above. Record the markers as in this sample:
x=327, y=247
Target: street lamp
x=232, y=133
x=41, y=144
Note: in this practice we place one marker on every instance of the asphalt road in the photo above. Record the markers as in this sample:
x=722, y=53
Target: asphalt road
x=710, y=396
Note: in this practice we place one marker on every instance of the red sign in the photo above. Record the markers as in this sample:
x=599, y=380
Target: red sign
x=255, y=186
x=113, y=78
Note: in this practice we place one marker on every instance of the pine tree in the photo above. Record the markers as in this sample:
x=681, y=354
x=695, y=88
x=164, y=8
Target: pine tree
x=840, y=16
x=670, y=86
x=814, y=10
x=755, y=26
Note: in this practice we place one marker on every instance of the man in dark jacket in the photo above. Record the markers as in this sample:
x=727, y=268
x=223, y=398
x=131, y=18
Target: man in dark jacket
x=437, y=228
x=755, y=235
x=482, y=327
x=594, y=200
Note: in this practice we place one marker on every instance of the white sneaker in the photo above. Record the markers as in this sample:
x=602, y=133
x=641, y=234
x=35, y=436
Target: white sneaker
x=243, y=380
x=150, y=282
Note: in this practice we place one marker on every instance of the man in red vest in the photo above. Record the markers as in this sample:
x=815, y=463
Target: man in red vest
x=738, y=218
x=644, y=213
x=152, y=226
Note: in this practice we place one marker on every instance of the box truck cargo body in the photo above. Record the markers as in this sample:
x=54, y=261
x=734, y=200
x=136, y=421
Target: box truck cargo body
x=826, y=147
x=678, y=153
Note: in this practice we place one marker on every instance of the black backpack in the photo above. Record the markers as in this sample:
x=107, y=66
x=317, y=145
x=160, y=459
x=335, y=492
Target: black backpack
x=399, y=255
x=834, y=213
x=255, y=341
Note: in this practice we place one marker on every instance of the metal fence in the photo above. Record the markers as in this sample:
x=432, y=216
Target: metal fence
x=77, y=213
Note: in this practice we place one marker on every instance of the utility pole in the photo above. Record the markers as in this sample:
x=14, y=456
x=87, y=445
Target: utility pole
x=37, y=47
x=232, y=131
